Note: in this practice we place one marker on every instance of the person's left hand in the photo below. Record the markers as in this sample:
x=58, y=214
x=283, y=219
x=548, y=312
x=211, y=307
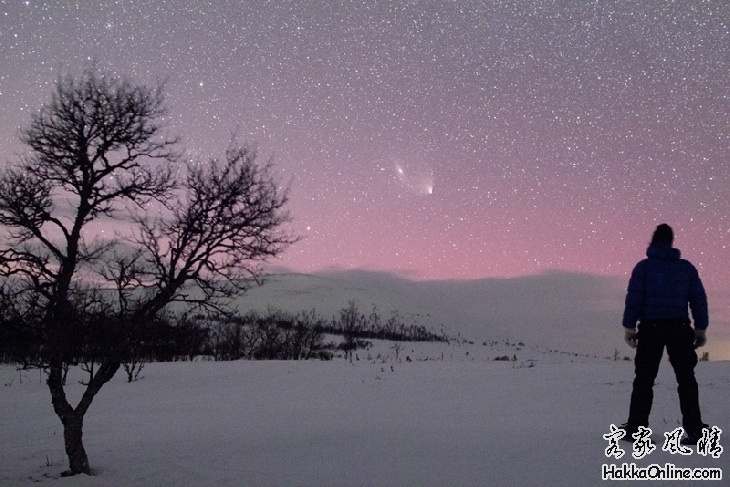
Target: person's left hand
x=630, y=337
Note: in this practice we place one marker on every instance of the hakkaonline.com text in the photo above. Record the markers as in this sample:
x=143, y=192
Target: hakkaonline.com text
x=708, y=446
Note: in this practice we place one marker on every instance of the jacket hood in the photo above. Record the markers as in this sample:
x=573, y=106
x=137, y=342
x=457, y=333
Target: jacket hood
x=663, y=252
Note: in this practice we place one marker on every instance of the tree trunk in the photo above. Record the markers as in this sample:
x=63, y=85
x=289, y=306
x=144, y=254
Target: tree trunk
x=78, y=462
x=73, y=418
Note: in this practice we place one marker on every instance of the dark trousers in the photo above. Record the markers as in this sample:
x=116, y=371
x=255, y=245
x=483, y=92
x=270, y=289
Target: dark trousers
x=678, y=337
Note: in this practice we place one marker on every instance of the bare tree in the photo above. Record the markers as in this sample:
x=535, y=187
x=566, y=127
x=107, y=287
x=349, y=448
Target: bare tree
x=351, y=321
x=97, y=150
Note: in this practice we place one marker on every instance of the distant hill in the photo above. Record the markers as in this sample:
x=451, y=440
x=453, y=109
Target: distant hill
x=565, y=311
x=557, y=310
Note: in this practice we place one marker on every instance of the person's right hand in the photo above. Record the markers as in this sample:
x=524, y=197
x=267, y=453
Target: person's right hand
x=700, y=338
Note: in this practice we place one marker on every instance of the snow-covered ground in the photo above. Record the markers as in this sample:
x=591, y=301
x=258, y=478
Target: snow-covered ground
x=459, y=418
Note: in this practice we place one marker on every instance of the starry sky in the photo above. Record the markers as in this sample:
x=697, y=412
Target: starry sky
x=432, y=139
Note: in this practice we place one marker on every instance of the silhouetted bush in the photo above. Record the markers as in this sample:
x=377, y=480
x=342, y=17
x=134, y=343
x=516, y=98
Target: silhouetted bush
x=274, y=335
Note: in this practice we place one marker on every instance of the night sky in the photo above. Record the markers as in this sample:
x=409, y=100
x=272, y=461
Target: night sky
x=435, y=140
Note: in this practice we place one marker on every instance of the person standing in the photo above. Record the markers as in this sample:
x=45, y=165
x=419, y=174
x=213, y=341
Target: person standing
x=663, y=288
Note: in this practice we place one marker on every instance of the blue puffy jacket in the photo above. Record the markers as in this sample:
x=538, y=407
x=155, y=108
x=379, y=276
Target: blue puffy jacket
x=662, y=286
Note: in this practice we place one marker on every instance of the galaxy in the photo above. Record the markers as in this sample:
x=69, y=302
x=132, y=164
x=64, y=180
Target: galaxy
x=430, y=139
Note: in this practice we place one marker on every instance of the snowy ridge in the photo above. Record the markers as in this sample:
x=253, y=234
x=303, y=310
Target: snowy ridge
x=570, y=312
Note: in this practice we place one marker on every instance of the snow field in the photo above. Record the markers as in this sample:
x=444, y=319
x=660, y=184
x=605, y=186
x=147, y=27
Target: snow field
x=465, y=421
